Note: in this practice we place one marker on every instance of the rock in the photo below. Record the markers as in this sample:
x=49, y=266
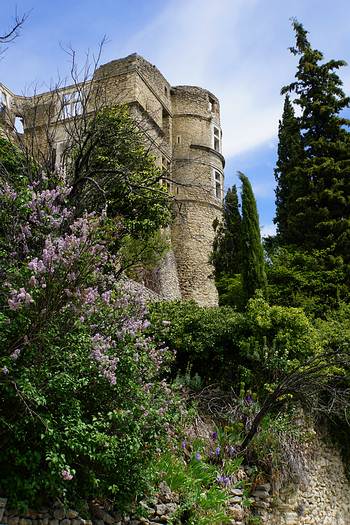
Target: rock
x=65, y=522
x=291, y=518
x=53, y=522
x=72, y=514
x=237, y=492
x=172, y=507
x=266, y=487
x=261, y=494
x=78, y=521
x=261, y=504
x=161, y=509
x=14, y=520
x=165, y=494
x=237, y=512
x=59, y=513
x=236, y=499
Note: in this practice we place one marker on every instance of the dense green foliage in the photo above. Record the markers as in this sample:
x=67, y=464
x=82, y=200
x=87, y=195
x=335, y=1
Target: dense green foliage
x=290, y=155
x=113, y=171
x=253, y=265
x=221, y=345
x=238, y=256
x=82, y=415
x=227, y=243
x=318, y=179
x=87, y=408
x=312, y=280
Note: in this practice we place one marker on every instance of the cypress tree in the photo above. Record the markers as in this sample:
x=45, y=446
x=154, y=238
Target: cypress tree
x=319, y=204
x=226, y=246
x=253, y=266
x=290, y=155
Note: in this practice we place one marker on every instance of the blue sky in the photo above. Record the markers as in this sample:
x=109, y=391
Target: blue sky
x=236, y=48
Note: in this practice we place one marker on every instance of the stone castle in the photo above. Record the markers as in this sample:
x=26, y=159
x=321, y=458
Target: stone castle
x=182, y=127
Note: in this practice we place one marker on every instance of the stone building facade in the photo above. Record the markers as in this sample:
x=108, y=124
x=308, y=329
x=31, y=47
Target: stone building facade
x=182, y=127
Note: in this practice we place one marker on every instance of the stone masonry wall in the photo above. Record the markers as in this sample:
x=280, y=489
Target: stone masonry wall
x=192, y=238
x=177, y=123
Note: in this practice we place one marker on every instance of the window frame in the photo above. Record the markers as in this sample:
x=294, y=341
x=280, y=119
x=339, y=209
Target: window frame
x=218, y=184
x=71, y=105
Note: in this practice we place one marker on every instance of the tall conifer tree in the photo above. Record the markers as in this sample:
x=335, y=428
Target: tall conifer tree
x=227, y=242
x=253, y=265
x=290, y=156
x=319, y=210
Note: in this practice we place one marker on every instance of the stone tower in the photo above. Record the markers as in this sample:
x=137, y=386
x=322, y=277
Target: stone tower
x=197, y=169
x=181, y=125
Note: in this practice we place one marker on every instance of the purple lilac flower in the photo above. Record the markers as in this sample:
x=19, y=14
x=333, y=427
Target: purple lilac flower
x=18, y=298
x=66, y=475
x=106, y=296
x=15, y=355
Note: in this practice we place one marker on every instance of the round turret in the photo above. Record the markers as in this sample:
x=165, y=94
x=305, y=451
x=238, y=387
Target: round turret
x=197, y=170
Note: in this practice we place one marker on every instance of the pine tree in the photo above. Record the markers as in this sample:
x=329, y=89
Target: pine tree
x=319, y=204
x=253, y=266
x=226, y=246
x=290, y=156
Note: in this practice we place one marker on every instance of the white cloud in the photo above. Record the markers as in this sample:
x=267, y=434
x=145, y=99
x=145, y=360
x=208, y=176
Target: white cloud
x=238, y=50
x=268, y=229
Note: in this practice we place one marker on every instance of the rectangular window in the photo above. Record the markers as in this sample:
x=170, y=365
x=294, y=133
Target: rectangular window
x=216, y=139
x=218, y=184
x=19, y=125
x=211, y=104
x=3, y=100
x=71, y=105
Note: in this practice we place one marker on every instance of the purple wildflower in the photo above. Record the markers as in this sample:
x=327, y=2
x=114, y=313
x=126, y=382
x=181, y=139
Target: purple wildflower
x=198, y=456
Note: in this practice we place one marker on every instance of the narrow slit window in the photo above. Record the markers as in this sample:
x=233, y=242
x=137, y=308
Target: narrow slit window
x=218, y=184
x=211, y=104
x=217, y=139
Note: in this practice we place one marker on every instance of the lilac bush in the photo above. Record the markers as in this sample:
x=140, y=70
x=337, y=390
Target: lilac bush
x=82, y=410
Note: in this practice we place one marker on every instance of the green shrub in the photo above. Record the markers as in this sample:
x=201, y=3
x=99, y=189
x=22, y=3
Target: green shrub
x=225, y=346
